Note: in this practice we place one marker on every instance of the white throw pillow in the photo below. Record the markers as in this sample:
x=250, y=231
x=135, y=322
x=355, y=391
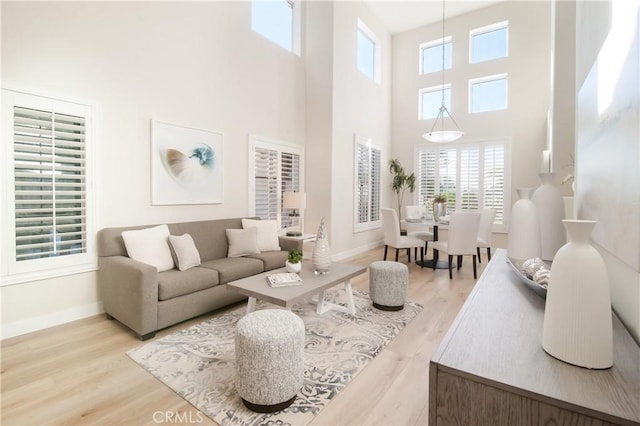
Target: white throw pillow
x=267, y=233
x=242, y=242
x=150, y=246
x=184, y=250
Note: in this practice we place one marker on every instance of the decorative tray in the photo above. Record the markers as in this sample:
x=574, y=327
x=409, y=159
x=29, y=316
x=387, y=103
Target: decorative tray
x=516, y=265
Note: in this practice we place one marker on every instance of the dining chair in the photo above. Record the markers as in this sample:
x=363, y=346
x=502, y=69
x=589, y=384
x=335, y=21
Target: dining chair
x=462, y=239
x=485, y=232
x=392, y=237
x=417, y=229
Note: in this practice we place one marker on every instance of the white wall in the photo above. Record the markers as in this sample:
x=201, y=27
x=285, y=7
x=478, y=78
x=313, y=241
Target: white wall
x=195, y=63
x=525, y=120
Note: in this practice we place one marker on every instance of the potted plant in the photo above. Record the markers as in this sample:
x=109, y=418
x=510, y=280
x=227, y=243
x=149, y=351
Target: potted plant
x=439, y=205
x=294, y=261
x=401, y=182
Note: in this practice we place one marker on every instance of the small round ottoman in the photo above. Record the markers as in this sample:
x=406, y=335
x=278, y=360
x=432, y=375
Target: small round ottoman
x=269, y=359
x=388, y=283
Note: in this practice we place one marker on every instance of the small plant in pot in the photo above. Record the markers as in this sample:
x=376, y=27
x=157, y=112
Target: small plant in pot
x=294, y=261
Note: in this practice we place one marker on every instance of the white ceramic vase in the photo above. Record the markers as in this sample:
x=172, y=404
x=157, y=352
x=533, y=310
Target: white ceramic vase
x=321, y=256
x=293, y=267
x=577, y=317
x=523, y=240
x=548, y=200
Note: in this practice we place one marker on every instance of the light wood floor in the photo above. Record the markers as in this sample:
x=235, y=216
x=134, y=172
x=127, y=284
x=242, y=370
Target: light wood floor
x=78, y=373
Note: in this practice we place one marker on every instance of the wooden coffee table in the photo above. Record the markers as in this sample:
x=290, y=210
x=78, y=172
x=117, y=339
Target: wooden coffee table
x=256, y=287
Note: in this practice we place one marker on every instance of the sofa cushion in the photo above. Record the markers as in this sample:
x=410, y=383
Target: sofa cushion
x=267, y=233
x=184, y=251
x=176, y=283
x=150, y=246
x=234, y=268
x=242, y=242
x=271, y=259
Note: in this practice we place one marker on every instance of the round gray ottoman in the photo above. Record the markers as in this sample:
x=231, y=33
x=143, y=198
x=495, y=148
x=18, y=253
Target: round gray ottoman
x=269, y=359
x=388, y=283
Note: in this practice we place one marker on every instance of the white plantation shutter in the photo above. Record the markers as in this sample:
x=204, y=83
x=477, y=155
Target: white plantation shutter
x=47, y=188
x=472, y=176
x=367, y=185
x=275, y=169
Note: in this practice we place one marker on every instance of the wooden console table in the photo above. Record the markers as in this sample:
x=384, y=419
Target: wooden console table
x=490, y=369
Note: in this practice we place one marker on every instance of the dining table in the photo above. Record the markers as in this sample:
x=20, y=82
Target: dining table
x=442, y=223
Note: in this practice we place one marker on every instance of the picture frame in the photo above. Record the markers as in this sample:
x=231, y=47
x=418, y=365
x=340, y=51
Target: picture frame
x=186, y=165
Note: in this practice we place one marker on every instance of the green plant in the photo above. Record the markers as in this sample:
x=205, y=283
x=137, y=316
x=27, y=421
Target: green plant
x=401, y=181
x=294, y=256
x=440, y=198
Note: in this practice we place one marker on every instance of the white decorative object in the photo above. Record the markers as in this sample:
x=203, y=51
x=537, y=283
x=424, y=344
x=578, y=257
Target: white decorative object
x=548, y=200
x=321, y=256
x=577, y=317
x=293, y=267
x=523, y=240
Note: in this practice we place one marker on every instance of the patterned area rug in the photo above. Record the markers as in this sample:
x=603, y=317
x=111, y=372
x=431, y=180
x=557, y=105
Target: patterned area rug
x=198, y=362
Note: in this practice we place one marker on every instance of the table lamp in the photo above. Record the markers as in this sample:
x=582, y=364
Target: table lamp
x=294, y=201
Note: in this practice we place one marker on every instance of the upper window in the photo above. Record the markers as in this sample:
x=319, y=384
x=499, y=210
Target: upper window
x=48, y=175
x=488, y=93
x=472, y=176
x=368, y=53
x=490, y=42
x=278, y=21
x=431, y=55
x=431, y=100
x=367, y=182
x=275, y=169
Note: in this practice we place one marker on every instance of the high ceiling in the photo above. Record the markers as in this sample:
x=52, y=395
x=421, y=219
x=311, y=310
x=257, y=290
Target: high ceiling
x=400, y=15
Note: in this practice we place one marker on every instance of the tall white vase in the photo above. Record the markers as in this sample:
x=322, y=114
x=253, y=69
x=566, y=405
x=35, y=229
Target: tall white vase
x=523, y=240
x=548, y=200
x=321, y=256
x=577, y=316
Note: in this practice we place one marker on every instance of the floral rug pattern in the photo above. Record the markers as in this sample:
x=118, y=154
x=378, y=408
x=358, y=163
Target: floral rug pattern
x=198, y=363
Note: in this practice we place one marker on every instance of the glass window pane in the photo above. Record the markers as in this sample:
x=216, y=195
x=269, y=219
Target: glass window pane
x=366, y=55
x=431, y=100
x=432, y=58
x=274, y=20
x=489, y=45
x=489, y=95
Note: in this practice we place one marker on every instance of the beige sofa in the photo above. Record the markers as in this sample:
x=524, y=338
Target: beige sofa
x=146, y=300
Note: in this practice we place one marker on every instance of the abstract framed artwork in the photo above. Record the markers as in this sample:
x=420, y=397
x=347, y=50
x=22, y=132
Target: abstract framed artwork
x=186, y=165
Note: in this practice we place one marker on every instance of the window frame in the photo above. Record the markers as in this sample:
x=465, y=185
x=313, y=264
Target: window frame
x=296, y=26
x=11, y=270
x=487, y=79
x=377, y=52
x=367, y=143
x=431, y=44
x=484, y=30
x=280, y=147
x=502, y=217
x=432, y=89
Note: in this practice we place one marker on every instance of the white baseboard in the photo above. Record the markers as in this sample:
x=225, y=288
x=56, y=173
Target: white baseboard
x=356, y=251
x=19, y=328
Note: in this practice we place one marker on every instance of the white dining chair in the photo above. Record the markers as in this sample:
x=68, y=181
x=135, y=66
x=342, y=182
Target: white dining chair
x=461, y=240
x=392, y=237
x=485, y=232
x=416, y=229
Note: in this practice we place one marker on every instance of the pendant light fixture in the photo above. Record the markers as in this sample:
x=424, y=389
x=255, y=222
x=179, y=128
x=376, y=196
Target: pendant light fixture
x=438, y=134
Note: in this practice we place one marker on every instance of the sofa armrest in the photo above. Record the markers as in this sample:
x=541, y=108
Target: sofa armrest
x=130, y=292
x=288, y=243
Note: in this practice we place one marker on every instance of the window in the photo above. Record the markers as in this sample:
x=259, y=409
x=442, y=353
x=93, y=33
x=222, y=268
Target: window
x=472, y=176
x=277, y=20
x=367, y=185
x=431, y=55
x=48, y=187
x=274, y=169
x=368, y=59
x=431, y=100
x=490, y=42
x=488, y=93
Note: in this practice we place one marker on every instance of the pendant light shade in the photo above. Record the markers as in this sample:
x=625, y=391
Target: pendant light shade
x=438, y=132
